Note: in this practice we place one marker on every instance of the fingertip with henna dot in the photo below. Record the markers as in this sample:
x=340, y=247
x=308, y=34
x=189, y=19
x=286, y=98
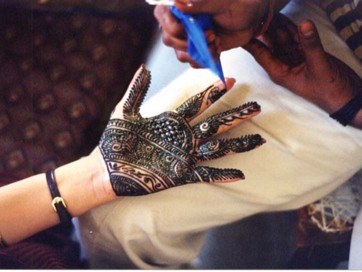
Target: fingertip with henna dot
x=230, y=81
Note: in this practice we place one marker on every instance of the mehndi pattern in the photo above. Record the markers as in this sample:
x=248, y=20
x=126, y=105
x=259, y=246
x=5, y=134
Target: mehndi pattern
x=147, y=155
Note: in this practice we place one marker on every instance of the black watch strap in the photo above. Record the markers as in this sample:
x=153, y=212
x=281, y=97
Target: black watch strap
x=58, y=202
x=346, y=114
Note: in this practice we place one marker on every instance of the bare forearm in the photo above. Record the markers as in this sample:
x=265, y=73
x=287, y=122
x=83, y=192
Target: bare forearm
x=26, y=205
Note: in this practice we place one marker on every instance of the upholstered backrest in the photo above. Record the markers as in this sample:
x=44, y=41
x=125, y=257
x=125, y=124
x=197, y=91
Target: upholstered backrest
x=62, y=70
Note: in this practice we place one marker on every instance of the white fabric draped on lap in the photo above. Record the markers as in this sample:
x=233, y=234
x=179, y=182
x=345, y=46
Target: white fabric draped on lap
x=307, y=155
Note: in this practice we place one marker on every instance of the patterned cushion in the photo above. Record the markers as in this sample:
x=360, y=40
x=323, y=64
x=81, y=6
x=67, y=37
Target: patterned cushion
x=61, y=74
x=346, y=16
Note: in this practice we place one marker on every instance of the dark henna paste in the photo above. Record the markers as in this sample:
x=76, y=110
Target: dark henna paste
x=147, y=155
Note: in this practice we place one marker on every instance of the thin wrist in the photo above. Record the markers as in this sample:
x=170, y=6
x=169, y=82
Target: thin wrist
x=332, y=103
x=357, y=120
x=100, y=176
x=83, y=184
x=347, y=113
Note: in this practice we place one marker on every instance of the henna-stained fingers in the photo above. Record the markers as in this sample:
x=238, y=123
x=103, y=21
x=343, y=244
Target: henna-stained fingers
x=148, y=155
x=224, y=121
x=198, y=103
x=135, y=93
x=214, y=175
x=217, y=148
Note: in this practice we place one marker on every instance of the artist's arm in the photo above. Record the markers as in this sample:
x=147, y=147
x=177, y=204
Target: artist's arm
x=236, y=23
x=294, y=57
x=135, y=156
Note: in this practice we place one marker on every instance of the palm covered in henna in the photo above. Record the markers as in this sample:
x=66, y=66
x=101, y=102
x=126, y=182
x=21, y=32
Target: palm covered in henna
x=147, y=155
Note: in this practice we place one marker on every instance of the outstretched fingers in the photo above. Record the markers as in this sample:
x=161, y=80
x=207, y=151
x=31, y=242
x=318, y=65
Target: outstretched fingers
x=221, y=147
x=215, y=175
x=195, y=105
x=224, y=121
x=135, y=94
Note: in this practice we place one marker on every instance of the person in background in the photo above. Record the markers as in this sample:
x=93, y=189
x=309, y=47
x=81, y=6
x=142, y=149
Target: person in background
x=236, y=23
x=293, y=56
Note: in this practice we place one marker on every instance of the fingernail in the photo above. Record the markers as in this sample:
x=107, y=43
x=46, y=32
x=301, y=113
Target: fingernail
x=306, y=29
x=187, y=3
x=230, y=81
x=210, y=37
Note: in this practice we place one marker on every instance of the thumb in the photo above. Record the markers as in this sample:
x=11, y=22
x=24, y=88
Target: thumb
x=315, y=56
x=132, y=99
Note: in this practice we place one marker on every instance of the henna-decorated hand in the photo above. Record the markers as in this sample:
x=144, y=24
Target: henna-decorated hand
x=147, y=155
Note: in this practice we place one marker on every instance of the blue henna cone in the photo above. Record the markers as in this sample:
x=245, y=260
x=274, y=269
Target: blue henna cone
x=195, y=25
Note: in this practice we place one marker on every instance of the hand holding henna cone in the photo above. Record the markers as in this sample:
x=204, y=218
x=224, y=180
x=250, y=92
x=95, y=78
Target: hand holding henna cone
x=147, y=155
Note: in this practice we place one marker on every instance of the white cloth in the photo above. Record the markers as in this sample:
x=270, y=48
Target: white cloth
x=307, y=155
